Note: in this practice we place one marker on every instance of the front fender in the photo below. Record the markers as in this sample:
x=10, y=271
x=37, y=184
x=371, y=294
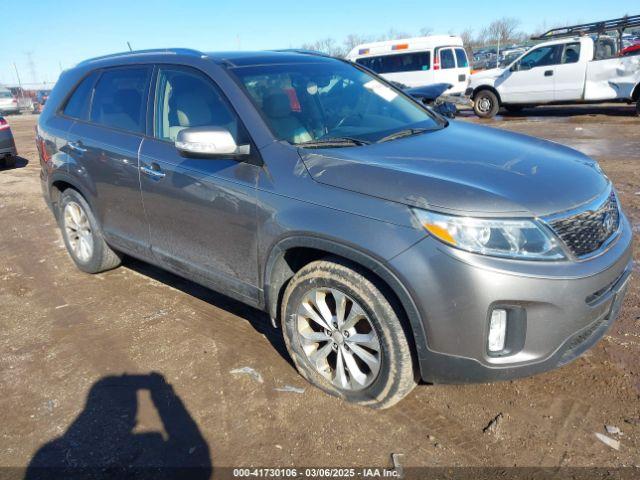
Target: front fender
x=277, y=273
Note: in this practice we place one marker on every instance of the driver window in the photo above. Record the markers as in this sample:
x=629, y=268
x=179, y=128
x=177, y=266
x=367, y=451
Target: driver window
x=542, y=57
x=186, y=99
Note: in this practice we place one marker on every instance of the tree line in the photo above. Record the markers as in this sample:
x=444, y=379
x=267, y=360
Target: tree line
x=505, y=31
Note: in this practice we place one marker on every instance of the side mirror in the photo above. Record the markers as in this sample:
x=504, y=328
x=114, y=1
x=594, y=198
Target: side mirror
x=209, y=142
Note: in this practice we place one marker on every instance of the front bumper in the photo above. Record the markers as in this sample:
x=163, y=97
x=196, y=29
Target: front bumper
x=568, y=307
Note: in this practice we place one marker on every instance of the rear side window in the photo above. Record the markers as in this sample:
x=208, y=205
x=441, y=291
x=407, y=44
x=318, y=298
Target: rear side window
x=78, y=104
x=446, y=59
x=571, y=53
x=461, y=58
x=404, y=62
x=120, y=99
x=5, y=94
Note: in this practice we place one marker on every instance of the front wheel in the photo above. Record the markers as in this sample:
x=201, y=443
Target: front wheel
x=345, y=337
x=486, y=104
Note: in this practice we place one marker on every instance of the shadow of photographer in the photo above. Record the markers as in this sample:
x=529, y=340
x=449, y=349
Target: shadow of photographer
x=103, y=442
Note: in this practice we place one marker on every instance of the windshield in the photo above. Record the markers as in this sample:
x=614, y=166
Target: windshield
x=312, y=102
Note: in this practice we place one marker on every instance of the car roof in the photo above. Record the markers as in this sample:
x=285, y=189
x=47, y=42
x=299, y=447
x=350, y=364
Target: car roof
x=232, y=59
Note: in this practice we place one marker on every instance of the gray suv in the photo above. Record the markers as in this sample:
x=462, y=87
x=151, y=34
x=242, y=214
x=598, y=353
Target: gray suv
x=388, y=243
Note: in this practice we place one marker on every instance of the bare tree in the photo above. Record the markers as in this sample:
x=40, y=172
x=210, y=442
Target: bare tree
x=468, y=41
x=503, y=30
x=426, y=31
x=393, y=34
x=326, y=45
x=353, y=40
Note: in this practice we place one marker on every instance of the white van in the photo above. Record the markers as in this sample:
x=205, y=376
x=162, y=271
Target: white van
x=417, y=61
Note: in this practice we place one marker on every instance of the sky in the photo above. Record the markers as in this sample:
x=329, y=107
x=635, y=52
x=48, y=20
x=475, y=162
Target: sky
x=57, y=34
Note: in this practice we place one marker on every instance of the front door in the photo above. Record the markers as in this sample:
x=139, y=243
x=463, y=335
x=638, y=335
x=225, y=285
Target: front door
x=531, y=80
x=201, y=211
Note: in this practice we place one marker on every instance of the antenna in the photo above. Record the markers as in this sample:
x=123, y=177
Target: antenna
x=129, y=45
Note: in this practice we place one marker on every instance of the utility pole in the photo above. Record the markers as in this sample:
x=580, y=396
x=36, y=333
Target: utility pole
x=19, y=82
x=17, y=75
x=32, y=67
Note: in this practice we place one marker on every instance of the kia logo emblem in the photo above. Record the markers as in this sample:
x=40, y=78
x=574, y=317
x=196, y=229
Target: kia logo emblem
x=607, y=222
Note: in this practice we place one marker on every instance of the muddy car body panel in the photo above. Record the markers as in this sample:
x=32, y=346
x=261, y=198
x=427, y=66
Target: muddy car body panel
x=232, y=223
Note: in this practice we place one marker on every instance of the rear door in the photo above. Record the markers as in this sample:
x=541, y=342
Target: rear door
x=447, y=70
x=531, y=79
x=201, y=211
x=105, y=152
x=570, y=73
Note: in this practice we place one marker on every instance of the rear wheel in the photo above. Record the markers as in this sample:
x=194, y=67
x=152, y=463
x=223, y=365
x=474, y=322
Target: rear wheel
x=82, y=235
x=345, y=337
x=486, y=104
x=638, y=108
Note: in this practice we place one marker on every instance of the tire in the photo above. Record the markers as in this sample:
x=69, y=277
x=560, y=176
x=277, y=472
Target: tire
x=9, y=162
x=87, y=248
x=638, y=108
x=486, y=104
x=375, y=387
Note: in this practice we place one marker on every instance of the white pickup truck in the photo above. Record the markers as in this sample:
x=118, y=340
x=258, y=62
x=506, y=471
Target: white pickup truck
x=562, y=71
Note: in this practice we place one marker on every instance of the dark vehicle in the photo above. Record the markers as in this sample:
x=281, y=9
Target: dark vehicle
x=388, y=243
x=42, y=96
x=40, y=100
x=431, y=95
x=8, y=150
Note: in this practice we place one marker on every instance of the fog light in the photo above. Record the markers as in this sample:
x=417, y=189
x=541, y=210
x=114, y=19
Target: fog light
x=497, y=330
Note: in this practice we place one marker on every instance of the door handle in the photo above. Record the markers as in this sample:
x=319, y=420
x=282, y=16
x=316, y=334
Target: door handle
x=548, y=73
x=153, y=171
x=77, y=147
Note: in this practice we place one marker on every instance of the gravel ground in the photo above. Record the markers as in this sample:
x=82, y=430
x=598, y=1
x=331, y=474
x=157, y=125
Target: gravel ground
x=135, y=365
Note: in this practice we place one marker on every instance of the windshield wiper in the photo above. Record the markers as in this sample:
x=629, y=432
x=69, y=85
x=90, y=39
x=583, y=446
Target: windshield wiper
x=407, y=132
x=334, y=142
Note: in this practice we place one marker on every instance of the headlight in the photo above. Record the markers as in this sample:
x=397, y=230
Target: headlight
x=522, y=239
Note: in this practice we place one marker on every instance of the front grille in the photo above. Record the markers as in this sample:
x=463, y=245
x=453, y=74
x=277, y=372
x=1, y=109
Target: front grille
x=585, y=232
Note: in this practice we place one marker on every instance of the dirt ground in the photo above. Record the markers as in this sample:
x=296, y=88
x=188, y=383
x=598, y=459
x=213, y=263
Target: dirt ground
x=67, y=339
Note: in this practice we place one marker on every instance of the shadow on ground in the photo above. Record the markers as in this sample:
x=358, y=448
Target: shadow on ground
x=559, y=111
x=101, y=441
x=258, y=319
x=21, y=162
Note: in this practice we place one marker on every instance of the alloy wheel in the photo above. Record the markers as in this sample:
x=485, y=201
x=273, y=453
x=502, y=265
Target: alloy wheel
x=338, y=338
x=78, y=231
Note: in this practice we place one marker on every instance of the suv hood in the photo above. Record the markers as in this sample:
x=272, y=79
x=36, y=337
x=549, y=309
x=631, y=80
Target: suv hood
x=464, y=168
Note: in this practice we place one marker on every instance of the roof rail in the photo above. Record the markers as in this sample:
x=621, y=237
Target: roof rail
x=174, y=51
x=617, y=24
x=303, y=51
